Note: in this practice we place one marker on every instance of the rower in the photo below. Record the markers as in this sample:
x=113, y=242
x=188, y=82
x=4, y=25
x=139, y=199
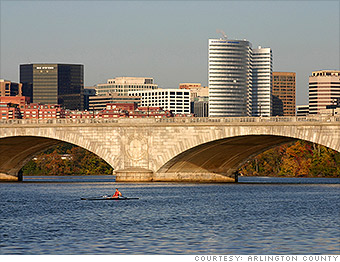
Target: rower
x=117, y=193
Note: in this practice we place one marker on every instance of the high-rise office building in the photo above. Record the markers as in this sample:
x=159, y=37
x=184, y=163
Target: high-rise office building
x=54, y=84
x=324, y=90
x=262, y=82
x=284, y=94
x=230, y=78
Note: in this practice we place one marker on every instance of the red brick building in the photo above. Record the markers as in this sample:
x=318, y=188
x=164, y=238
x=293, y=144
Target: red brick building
x=38, y=111
x=9, y=111
x=22, y=101
x=20, y=108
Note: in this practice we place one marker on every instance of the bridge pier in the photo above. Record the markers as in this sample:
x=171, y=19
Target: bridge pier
x=137, y=174
x=134, y=174
x=9, y=178
x=193, y=177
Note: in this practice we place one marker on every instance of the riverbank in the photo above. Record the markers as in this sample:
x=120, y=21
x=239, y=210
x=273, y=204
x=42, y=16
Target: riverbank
x=242, y=179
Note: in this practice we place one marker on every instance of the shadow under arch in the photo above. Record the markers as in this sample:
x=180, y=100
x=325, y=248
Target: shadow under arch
x=16, y=151
x=222, y=156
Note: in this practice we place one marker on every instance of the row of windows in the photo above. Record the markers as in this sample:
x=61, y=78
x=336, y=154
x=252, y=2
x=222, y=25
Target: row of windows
x=282, y=85
x=41, y=106
x=166, y=95
x=234, y=107
x=261, y=78
x=266, y=70
x=229, y=48
x=234, y=56
x=225, y=59
x=150, y=98
x=226, y=68
x=228, y=75
x=283, y=78
x=228, y=100
x=230, y=90
x=213, y=85
x=327, y=91
x=287, y=101
x=324, y=94
x=127, y=86
x=235, y=49
x=155, y=103
x=324, y=84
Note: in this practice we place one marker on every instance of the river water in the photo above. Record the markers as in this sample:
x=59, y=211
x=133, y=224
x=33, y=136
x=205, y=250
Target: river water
x=258, y=215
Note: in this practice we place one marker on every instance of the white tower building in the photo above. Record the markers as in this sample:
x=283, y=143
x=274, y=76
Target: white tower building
x=230, y=73
x=262, y=82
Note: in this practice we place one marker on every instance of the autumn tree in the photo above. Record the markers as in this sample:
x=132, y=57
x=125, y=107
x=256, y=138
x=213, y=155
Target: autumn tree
x=299, y=159
x=76, y=161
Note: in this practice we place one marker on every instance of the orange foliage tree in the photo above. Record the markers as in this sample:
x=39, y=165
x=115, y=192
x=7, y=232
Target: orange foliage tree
x=299, y=159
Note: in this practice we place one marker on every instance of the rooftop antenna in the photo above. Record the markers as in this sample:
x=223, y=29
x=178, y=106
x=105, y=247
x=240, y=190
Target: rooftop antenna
x=221, y=32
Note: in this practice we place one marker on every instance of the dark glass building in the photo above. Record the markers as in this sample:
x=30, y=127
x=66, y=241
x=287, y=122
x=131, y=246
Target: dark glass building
x=283, y=92
x=54, y=84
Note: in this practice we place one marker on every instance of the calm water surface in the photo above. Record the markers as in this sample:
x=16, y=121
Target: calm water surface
x=44, y=215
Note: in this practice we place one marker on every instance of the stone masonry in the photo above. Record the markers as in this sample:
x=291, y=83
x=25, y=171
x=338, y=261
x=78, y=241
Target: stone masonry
x=172, y=149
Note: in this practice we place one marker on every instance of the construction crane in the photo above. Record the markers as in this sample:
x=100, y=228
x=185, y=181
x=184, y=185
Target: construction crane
x=221, y=32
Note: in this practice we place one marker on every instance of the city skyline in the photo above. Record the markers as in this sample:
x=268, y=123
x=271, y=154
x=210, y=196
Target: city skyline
x=165, y=40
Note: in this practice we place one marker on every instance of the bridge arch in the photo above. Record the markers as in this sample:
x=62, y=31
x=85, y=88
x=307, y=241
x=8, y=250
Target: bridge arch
x=216, y=155
x=16, y=151
x=222, y=156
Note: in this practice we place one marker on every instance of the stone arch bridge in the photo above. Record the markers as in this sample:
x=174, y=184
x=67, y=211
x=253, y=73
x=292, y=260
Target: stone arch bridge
x=167, y=149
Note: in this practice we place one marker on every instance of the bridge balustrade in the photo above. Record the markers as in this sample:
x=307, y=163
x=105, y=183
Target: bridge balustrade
x=170, y=120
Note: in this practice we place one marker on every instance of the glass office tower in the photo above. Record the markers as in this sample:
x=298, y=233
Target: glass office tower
x=54, y=84
x=230, y=78
x=262, y=61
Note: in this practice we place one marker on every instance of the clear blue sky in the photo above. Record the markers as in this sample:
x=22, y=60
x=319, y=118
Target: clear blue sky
x=166, y=40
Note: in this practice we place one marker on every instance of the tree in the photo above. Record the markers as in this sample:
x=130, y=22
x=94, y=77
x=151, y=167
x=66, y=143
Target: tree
x=299, y=159
x=78, y=162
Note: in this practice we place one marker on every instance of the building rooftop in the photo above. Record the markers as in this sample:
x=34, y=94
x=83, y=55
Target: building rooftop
x=326, y=73
x=130, y=80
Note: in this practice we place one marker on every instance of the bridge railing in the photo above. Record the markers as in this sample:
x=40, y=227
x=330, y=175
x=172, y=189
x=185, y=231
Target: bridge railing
x=170, y=120
x=249, y=119
x=58, y=121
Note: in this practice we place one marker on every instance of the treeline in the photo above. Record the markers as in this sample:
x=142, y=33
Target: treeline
x=67, y=159
x=299, y=159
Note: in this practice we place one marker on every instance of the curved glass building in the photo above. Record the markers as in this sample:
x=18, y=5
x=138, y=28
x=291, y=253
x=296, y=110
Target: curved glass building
x=230, y=78
x=262, y=82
